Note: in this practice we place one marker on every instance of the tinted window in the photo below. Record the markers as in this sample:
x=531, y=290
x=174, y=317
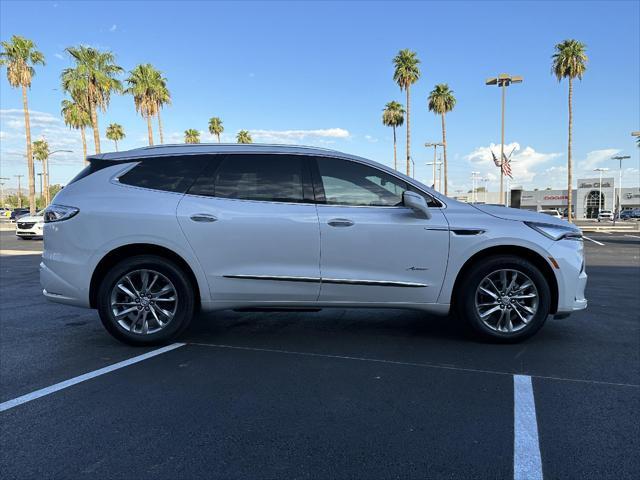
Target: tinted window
x=171, y=174
x=273, y=178
x=351, y=183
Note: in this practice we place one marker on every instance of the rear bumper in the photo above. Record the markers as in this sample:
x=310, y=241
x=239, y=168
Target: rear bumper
x=57, y=289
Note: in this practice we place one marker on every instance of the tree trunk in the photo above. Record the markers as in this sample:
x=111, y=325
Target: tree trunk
x=94, y=124
x=84, y=146
x=395, y=150
x=444, y=149
x=149, y=130
x=408, y=132
x=569, y=160
x=160, y=127
x=116, y=142
x=218, y=135
x=31, y=169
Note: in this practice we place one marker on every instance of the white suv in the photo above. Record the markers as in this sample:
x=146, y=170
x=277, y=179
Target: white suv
x=149, y=236
x=605, y=215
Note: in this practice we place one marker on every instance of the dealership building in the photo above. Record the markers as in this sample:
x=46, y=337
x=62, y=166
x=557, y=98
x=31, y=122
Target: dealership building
x=587, y=200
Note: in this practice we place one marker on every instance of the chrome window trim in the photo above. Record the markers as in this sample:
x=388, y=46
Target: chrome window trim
x=339, y=281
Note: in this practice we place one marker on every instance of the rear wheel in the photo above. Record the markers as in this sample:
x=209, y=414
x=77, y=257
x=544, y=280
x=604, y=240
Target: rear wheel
x=146, y=300
x=504, y=298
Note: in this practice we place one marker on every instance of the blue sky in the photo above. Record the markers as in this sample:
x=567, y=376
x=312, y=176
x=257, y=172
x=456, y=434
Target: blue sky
x=320, y=73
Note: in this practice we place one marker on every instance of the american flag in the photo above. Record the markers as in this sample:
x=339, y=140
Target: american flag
x=506, y=165
x=495, y=159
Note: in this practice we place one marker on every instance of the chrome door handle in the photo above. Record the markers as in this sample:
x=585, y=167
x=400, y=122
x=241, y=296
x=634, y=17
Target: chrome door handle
x=340, y=222
x=203, y=217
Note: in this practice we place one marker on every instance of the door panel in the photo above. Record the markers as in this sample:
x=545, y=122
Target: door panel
x=250, y=240
x=373, y=249
x=406, y=254
x=253, y=229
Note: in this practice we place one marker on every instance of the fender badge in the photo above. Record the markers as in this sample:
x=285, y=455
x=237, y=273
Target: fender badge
x=417, y=269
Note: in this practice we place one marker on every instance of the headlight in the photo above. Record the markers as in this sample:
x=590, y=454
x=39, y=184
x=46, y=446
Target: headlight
x=556, y=232
x=57, y=213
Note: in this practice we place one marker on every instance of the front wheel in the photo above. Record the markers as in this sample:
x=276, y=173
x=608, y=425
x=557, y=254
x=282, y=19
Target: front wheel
x=146, y=300
x=504, y=298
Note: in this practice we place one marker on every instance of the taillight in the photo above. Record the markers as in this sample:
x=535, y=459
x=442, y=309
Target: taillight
x=58, y=213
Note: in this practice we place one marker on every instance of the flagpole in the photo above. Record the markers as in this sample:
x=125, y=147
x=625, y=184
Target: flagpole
x=504, y=91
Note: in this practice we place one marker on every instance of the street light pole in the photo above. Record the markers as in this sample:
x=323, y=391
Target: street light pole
x=435, y=177
x=435, y=146
x=503, y=81
x=45, y=168
x=474, y=176
x=600, y=169
x=619, y=158
x=19, y=190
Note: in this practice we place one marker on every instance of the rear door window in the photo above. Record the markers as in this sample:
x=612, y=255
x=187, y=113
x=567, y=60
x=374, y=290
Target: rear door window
x=262, y=177
x=168, y=173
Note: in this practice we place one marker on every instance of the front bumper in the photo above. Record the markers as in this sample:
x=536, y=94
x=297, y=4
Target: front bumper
x=35, y=231
x=570, y=276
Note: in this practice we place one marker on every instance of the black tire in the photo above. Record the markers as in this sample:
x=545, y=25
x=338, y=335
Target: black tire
x=465, y=297
x=185, y=305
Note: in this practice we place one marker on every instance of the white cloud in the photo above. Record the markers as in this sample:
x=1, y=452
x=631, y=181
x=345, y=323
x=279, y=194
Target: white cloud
x=370, y=139
x=294, y=136
x=113, y=28
x=59, y=56
x=525, y=162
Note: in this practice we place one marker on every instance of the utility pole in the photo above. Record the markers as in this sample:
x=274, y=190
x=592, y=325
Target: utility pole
x=619, y=158
x=435, y=146
x=2, y=191
x=19, y=190
x=435, y=176
x=503, y=81
x=40, y=175
x=440, y=173
x=600, y=169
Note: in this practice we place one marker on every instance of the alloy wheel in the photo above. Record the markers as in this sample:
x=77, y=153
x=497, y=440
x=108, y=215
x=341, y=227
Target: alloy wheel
x=506, y=301
x=144, y=301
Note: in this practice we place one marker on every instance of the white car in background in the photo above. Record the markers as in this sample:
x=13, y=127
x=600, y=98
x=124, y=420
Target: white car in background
x=552, y=213
x=30, y=226
x=605, y=215
x=150, y=236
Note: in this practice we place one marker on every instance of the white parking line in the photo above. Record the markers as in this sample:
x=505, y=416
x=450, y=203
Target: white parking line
x=594, y=241
x=632, y=236
x=527, y=464
x=87, y=376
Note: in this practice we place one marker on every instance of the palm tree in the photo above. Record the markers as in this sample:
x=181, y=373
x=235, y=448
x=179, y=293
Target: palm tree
x=19, y=56
x=570, y=61
x=406, y=73
x=77, y=116
x=244, y=136
x=94, y=79
x=441, y=101
x=215, y=127
x=41, y=153
x=191, y=136
x=145, y=83
x=163, y=97
x=393, y=116
x=115, y=133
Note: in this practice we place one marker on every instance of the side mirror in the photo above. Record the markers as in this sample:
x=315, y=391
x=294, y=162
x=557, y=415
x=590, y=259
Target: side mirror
x=417, y=203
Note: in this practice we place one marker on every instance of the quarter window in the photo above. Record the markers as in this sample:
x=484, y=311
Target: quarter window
x=272, y=178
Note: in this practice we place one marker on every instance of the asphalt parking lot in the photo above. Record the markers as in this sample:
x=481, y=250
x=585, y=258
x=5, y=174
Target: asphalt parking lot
x=334, y=394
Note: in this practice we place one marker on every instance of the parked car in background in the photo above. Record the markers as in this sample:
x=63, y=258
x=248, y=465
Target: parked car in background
x=30, y=226
x=552, y=213
x=605, y=215
x=630, y=214
x=16, y=213
x=5, y=212
x=149, y=237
